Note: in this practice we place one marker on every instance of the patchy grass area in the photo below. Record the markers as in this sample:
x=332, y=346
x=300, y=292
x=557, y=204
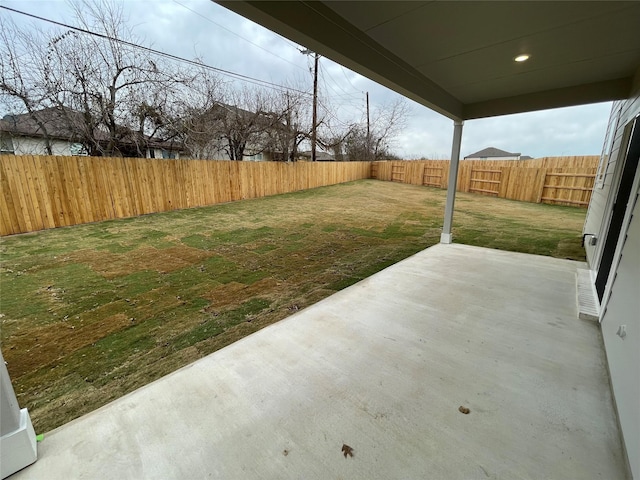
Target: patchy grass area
x=92, y=312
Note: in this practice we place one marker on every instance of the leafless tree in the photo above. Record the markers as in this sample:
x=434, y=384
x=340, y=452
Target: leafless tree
x=356, y=143
x=22, y=67
x=247, y=118
x=197, y=120
x=115, y=97
x=292, y=108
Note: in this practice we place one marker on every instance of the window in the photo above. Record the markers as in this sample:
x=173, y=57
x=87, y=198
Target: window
x=168, y=154
x=6, y=144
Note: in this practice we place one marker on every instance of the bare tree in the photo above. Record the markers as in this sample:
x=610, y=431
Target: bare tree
x=115, y=97
x=197, y=120
x=22, y=67
x=292, y=126
x=356, y=143
x=247, y=119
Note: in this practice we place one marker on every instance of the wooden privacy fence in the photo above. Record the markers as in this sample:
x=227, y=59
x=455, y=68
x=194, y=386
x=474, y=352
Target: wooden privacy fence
x=40, y=192
x=555, y=180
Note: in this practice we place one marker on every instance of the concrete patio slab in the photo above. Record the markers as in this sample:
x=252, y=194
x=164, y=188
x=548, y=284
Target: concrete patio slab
x=383, y=367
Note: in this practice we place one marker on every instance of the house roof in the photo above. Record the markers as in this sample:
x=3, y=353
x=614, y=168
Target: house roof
x=67, y=124
x=492, y=152
x=457, y=58
x=58, y=123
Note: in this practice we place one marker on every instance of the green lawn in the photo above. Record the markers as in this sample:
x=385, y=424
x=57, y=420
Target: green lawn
x=92, y=312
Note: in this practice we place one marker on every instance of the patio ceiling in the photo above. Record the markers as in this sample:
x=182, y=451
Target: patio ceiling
x=457, y=57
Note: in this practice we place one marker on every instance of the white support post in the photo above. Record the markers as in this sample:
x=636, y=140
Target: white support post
x=446, y=236
x=17, y=437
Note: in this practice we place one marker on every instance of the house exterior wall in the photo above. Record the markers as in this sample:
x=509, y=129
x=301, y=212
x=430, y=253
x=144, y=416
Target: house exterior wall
x=621, y=301
x=609, y=173
x=213, y=152
x=162, y=153
x=623, y=353
x=260, y=157
x=36, y=146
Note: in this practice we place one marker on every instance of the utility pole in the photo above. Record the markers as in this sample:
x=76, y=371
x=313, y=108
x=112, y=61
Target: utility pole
x=315, y=102
x=368, y=130
x=315, y=108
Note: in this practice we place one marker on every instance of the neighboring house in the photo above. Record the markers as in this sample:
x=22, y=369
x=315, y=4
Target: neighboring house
x=164, y=149
x=320, y=156
x=28, y=134
x=215, y=150
x=25, y=134
x=492, y=153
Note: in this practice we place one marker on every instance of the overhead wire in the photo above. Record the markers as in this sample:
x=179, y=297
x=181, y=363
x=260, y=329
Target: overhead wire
x=345, y=93
x=238, y=76
x=353, y=103
x=236, y=34
x=345, y=76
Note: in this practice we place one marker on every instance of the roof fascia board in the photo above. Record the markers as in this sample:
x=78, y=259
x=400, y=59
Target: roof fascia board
x=319, y=28
x=562, y=97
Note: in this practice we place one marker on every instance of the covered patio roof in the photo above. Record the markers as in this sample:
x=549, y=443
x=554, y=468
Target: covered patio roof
x=457, y=58
x=382, y=367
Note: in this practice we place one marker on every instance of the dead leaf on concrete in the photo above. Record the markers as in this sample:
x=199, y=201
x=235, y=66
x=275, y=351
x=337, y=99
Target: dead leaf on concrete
x=347, y=450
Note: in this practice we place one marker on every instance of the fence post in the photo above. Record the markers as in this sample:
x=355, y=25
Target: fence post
x=543, y=175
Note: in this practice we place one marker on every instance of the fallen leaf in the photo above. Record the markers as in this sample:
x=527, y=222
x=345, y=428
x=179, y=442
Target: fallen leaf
x=347, y=450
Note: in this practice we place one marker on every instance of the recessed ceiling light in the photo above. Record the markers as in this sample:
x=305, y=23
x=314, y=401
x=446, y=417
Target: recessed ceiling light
x=522, y=58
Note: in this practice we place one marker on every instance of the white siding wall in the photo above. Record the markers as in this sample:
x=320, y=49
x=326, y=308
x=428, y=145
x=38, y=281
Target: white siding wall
x=623, y=354
x=597, y=221
x=622, y=305
x=35, y=146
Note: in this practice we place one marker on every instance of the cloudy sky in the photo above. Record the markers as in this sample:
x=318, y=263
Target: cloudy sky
x=203, y=29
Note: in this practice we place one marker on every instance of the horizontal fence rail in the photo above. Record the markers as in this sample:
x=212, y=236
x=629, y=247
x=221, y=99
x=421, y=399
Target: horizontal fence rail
x=554, y=180
x=41, y=192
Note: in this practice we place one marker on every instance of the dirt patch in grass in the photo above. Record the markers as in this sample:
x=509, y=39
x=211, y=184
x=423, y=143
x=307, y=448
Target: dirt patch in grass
x=235, y=292
x=40, y=346
x=92, y=312
x=111, y=265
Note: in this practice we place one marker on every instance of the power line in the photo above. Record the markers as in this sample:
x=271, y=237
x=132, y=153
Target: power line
x=238, y=76
x=345, y=93
x=345, y=76
x=352, y=101
x=236, y=34
x=333, y=115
